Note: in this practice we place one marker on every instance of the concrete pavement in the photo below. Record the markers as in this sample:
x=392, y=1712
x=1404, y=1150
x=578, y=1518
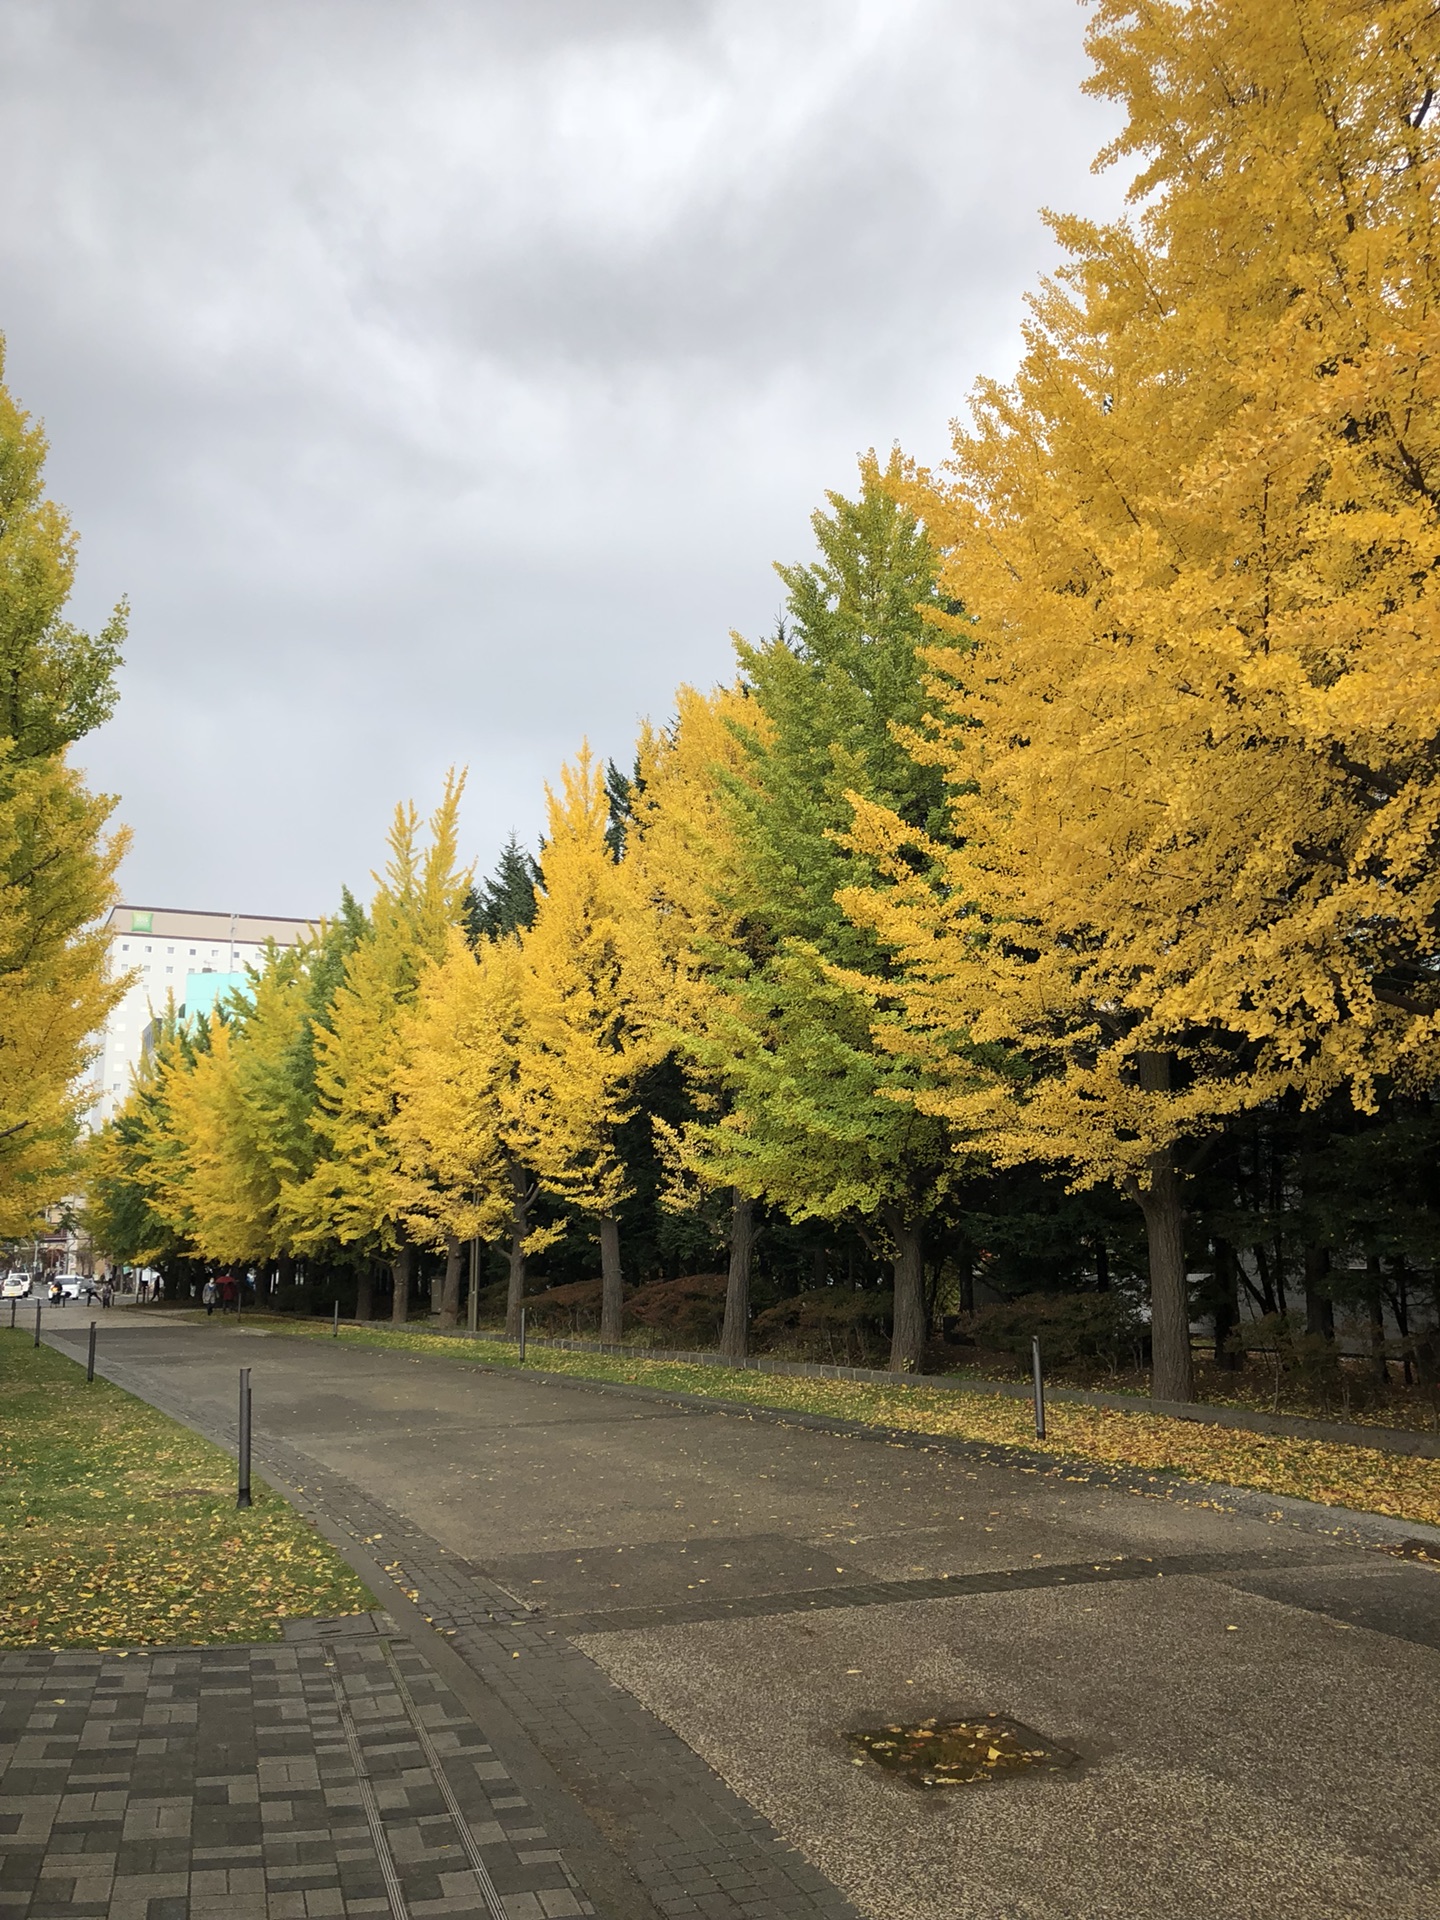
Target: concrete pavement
x=669, y=1619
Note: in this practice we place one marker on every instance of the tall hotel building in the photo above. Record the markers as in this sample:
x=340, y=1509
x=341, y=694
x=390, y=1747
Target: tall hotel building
x=194, y=957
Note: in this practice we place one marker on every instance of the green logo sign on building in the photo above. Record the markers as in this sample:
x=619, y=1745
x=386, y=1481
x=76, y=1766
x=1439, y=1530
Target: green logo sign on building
x=140, y=922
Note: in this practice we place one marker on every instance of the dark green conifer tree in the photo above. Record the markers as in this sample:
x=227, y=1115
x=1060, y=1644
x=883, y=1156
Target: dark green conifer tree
x=506, y=901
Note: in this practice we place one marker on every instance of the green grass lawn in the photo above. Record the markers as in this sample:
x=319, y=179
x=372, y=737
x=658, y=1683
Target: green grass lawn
x=1363, y=1478
x=118, y=1527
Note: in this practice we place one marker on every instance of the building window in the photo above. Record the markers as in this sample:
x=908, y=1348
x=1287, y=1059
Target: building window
x=148, y=949
x=125, y=948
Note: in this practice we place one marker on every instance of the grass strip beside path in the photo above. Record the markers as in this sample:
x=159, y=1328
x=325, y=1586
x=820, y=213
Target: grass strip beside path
x=1360, y=1478
x=118, y=1527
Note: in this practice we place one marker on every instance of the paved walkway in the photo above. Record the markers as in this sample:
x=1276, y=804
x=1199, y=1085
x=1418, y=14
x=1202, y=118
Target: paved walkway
x=664, y=1620
x=335, y=1776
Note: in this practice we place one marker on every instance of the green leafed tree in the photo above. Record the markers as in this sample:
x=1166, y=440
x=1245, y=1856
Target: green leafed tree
x=812, y=1124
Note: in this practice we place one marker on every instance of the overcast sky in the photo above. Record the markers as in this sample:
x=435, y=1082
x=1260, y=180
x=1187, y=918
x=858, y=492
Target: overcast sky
x=439, y=381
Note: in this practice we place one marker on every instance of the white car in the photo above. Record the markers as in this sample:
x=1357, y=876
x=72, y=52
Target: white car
x=75, y=1286
x=15, y=1286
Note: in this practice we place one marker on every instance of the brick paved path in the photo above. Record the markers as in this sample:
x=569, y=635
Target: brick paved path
x=334, y=1775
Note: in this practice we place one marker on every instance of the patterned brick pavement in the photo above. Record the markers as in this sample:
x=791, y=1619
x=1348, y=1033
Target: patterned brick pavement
x=333, y=1775
x=367, y=1830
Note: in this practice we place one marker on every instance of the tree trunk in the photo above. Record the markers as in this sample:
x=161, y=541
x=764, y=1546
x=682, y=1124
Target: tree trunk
x=450, y=1292
x=1400, y=1301
x=1172, y=1375
x=1102, y=1266
x=1379, y=1363
x=965, y=1275
x=1319, y=1307
x=1268, y=1302
x=365, y=1293
x=735, y=1335
x=403, y=1269
x=908, y=1330
x=1171, y=1372
x=519, y=1227
x=1228, y=1357
x=612, y=1285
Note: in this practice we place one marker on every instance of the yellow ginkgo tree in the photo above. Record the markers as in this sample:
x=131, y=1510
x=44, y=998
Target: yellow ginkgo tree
x=358, y=1193
x=1188, y=722
x=586, y=1029
x=57, y=862
x=458, y=1124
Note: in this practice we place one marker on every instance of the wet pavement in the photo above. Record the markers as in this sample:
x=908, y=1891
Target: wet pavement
x=667, y=1622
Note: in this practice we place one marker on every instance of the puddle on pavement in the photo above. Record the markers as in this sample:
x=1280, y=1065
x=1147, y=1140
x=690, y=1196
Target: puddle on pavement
x=958, y=1753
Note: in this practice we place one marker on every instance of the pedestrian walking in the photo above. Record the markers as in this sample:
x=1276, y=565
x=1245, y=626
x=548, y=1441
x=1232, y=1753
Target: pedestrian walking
x=228, y=1291
x=210, y=1293
x=107, y=1293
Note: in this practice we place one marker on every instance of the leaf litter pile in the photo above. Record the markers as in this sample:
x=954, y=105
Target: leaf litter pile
x=118, y=1527
x=1404, y=1486
x=959, y=1753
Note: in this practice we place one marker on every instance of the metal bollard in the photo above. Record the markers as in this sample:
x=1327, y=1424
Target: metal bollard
x=37, y=1322
x=522, y=1336
x=13, y=1305
x=242, y=1496
x=90, y=1359
x=335, y=1324
x=1037, y=1380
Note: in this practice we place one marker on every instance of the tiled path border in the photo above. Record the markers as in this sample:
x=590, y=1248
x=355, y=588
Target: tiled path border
x=333, y=1776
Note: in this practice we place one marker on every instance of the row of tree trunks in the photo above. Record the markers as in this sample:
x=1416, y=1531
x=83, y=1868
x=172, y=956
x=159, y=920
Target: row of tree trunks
x=911, y=1321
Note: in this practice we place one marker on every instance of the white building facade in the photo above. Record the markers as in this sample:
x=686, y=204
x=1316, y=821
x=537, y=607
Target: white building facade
x=168, y=949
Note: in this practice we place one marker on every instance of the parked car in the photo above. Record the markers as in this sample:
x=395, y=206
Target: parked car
x=76, y=1286
x=15, y=1286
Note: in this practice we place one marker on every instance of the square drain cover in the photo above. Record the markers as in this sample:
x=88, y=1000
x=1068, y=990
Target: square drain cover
x=956, y=1753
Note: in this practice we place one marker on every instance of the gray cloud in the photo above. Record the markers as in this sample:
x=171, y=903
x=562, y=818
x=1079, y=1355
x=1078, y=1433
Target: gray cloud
x=441, y=380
